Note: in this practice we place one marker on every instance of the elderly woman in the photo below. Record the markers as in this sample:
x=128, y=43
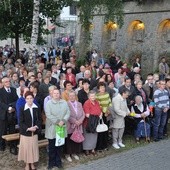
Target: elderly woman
x=75, y=121
x=140, y=91
x=30, y=126
x=57, y=113
x=141, y=111
x=92, y=112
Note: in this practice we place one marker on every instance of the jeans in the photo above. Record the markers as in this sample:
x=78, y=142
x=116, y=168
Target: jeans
x=166, y=124
x=54, y=154
x=159, y=122
x=161, y=77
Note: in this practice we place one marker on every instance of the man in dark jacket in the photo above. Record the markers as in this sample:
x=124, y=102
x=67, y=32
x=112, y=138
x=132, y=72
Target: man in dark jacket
x=7, y=109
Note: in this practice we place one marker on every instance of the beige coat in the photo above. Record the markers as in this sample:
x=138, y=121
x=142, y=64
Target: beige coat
x=120, y=111
x=56, y=111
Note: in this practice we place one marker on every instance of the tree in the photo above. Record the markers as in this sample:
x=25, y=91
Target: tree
x=16, y=18
x=34, y=35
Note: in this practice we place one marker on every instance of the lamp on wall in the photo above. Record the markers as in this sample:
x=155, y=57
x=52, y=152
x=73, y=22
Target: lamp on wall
x=110, y=25
x=139, y=26
x=138, y=31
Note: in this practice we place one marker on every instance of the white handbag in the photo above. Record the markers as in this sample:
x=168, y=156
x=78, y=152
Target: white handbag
x=101, y=127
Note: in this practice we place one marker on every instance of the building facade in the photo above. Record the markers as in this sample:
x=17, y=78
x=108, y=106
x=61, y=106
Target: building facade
x=146, y=33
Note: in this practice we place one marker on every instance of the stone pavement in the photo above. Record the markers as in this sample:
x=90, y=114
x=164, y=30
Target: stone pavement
x=154, y=156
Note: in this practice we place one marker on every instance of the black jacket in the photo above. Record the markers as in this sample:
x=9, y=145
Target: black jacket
x=26, y=121
x=82, y=96
x=92, y=124
x=7, y=100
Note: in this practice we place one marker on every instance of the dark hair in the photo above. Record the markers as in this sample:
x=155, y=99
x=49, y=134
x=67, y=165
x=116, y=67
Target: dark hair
x=67, y=82
x=86, y=81
x=167, y=79
x=28, y=93
x=34, y=84
x=124, y=90
x=39, y=72
x=127, y=78
x=150, y=74
x=69, y=68
x=106, y=79
x=157, y=81
x=101, y=84
x=110, y=82
x=21, y=79
x=80, y=79
x=101, y=73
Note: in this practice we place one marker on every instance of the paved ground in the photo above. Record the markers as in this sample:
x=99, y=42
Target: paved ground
x=155, y=156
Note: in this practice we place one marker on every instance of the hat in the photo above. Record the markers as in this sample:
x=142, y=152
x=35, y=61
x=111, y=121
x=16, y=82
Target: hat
x=106, y=66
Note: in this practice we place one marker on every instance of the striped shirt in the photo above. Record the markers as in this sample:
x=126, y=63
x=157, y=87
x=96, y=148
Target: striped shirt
x=161, y=99
x=104, y=101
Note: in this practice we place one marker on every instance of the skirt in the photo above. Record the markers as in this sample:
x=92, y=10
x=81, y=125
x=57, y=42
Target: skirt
x=72, y=147
x=90, y=140
x=143, y=130
x=28, y=149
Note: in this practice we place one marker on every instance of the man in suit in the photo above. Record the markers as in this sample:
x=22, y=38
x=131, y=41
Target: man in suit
x=81, y=73
x=119, y=64
x=7, y=107
x=127, y=85
x=53, y=80
x=93, y=82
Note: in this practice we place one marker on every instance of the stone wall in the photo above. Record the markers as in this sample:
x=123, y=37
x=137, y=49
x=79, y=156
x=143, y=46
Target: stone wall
x=150, y=42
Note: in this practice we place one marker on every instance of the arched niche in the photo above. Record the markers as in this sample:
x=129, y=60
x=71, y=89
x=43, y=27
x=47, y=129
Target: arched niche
x=164, y=31
x=136, y=31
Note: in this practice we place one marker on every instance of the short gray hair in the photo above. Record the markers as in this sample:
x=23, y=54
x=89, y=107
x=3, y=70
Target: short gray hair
x=91, y=92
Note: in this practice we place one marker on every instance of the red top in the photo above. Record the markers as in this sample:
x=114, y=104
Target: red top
x=92, y=109
x=71, y=77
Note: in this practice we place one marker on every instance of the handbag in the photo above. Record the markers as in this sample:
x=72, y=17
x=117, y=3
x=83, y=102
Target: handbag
x=77, y=136
x=101, y=127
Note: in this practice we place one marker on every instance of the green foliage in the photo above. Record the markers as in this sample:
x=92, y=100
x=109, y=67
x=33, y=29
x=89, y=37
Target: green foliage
x=16, y=17
x=111, y=9
x=80, y=61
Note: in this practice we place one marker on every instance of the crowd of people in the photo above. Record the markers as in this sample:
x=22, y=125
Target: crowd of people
x=61, y=94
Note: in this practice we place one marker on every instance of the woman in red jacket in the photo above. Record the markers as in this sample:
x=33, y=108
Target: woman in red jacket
x=92, y=109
